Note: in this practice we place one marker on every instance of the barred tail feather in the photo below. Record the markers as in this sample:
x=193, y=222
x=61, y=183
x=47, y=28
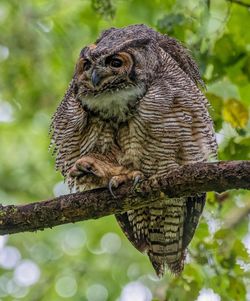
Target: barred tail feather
x=164, y=230
x=166, y=235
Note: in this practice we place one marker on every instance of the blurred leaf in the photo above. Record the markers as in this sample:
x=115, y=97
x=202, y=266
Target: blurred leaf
x=237, y=290
x=235, y=113
x=243, y=141
x=193, y=272
x=234, y=150
x=240, y=250
x=225, y=49
x=220, y=283
x=223, y=88
x=104, y=7
x=246, y=67
x=169, y=22
x=221, y=234
x=202, y=231
x=216, y=109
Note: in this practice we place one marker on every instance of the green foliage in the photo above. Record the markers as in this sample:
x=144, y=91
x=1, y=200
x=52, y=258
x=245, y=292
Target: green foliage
x=104, y=8
x=39, y=43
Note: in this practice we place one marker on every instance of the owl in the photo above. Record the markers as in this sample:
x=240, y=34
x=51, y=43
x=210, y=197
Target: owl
x=134, y=110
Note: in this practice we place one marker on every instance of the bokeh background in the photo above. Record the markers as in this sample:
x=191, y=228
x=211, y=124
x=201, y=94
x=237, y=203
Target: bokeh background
x=39, y=44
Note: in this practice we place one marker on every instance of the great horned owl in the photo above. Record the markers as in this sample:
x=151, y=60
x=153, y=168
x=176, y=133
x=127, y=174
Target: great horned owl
x=134, y=110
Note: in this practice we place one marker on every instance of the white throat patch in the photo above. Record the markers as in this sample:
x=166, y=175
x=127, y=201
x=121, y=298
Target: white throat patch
x=115, y=103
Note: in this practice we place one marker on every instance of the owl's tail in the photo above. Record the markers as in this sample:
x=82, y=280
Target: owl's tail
x=165, y=235
x=164, y=230
x=175, y=268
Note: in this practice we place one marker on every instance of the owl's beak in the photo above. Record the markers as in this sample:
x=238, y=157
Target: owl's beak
x=95, y=78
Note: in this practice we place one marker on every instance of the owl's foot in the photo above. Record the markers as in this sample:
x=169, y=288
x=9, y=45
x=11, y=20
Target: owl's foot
x=115, y=181
x=90, y=169
x=87, y=166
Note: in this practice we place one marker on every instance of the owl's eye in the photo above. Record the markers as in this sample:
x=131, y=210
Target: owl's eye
x=86, y=65
x=114, y=62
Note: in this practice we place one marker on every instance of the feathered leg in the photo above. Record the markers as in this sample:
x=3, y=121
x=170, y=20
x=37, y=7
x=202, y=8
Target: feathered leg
x=100, y=171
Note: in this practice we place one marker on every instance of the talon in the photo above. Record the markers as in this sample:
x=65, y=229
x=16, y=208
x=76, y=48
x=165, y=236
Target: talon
x=110, y=188
x=138, y=179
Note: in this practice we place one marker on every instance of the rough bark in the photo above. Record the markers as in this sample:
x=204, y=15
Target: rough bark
x=187, y=180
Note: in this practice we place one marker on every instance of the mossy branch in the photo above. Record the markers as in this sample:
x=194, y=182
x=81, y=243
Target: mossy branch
x=93, y=204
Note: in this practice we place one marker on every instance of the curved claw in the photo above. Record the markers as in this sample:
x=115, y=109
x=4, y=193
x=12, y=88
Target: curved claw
x=137, y=180
x=110, y=188
x=117, y=180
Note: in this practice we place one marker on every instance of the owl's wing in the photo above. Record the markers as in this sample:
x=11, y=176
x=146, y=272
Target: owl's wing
x=195, y=205
x=182, y=57
x=66, y=129
x=194, y=208
x=127, y=224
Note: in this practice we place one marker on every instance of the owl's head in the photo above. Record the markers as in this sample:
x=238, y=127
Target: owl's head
x=116, y=71
x=105, y=72
x=120, y=58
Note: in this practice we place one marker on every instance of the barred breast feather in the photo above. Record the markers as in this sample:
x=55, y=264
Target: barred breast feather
x=177, y=129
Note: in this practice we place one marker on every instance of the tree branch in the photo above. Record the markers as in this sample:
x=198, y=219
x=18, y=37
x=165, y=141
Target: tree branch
x=187, y=180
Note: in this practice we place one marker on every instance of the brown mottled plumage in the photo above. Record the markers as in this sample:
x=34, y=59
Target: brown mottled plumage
x=134, y=110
